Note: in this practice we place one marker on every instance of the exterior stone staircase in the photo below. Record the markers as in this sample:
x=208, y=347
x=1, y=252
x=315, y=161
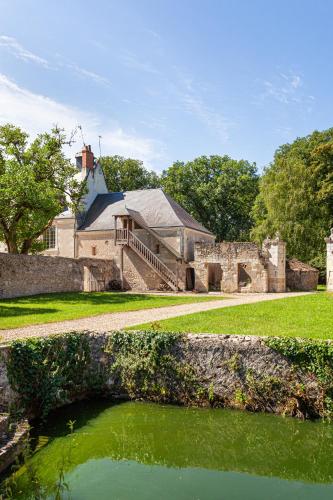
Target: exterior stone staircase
x=127, y=237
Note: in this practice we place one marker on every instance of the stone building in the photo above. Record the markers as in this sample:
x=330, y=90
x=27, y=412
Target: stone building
x=154, y=244
x=148, y=237
x=301, y=276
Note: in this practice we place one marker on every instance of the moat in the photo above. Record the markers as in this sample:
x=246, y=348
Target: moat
x=147, y=451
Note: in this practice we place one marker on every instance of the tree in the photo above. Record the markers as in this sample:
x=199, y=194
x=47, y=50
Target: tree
x=37, y=182
x=127, y=174
x=217, y=191
x=296, y=197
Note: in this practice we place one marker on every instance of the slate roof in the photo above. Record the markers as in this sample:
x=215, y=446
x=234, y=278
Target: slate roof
x=155, y=208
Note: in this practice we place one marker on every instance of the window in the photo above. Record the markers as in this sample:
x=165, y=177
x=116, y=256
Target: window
x=157, y=249
x=93, y=250
x=49, y=237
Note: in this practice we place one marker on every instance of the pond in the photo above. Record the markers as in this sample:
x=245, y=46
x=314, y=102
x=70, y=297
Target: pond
x=146, y=451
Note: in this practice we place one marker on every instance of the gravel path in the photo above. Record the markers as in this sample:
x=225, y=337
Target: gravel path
x=117, y=321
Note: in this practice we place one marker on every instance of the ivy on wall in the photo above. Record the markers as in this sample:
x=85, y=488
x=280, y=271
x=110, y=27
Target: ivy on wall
x=145, y=365
x=50, y=371
x=47, y=371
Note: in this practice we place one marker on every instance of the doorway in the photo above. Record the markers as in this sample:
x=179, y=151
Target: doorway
x=190, y=279
x=128, y=224
x=244, y=278
x=214, y=277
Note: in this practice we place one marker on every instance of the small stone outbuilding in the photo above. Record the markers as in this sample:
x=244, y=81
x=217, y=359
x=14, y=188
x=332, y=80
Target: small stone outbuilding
x=301, y=276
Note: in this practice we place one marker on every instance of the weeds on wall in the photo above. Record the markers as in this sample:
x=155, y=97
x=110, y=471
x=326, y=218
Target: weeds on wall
x=48, y=371
x=145, y=365
x=314, y=358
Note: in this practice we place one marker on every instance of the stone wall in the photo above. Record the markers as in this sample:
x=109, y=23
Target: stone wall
x=230, y=370
x=22, y=275
x=137, y=275
x=240, y=266
x=191, y=237
x=233, y=258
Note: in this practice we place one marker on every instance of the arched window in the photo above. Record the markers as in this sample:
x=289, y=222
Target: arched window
x=49, y=237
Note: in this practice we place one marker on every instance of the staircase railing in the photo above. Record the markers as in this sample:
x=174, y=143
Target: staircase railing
x=152, y=259
x=126, y=237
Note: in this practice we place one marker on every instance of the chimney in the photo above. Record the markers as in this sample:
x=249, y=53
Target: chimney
x=87, y=159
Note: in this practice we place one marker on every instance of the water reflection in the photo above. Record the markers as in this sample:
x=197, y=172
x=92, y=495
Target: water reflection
x=117, y=448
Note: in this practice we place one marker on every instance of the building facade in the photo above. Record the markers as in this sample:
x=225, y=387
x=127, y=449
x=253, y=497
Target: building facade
x=154, y=244
x=149, y=238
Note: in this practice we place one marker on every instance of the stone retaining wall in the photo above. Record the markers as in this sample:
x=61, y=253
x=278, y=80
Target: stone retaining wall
x=232, y=371
x=22, y=275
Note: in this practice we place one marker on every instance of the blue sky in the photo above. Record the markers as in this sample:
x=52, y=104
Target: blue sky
x=166, y=80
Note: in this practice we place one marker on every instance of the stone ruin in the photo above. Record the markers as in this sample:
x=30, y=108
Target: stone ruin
x=240, y=266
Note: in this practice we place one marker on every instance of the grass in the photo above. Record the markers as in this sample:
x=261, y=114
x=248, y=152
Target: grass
x=47, y=308
x=308, y=316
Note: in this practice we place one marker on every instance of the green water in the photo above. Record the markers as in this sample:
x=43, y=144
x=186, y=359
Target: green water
x=147, y=451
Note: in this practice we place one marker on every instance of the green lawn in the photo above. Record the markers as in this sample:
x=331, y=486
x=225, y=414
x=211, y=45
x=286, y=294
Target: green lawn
x=48, y=308
x=302, y=316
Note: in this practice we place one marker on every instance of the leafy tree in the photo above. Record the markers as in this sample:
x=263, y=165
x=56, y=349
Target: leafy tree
x=217, y=191
x=37, y=182
x=127, y=174
x=296, y=197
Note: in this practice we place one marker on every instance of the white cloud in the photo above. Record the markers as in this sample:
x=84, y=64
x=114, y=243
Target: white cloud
x=295, y=81
x=131, y=61
x=153, y=34
x=193, y=103
x=214, y=121
x=88, y=74
x=37, y=113
x=286, y=89
x=15, y=48
x=20, y=52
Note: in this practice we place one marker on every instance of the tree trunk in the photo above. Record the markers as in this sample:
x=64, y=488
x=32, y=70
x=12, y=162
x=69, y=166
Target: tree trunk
x=26, y=246
x=12, y=246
